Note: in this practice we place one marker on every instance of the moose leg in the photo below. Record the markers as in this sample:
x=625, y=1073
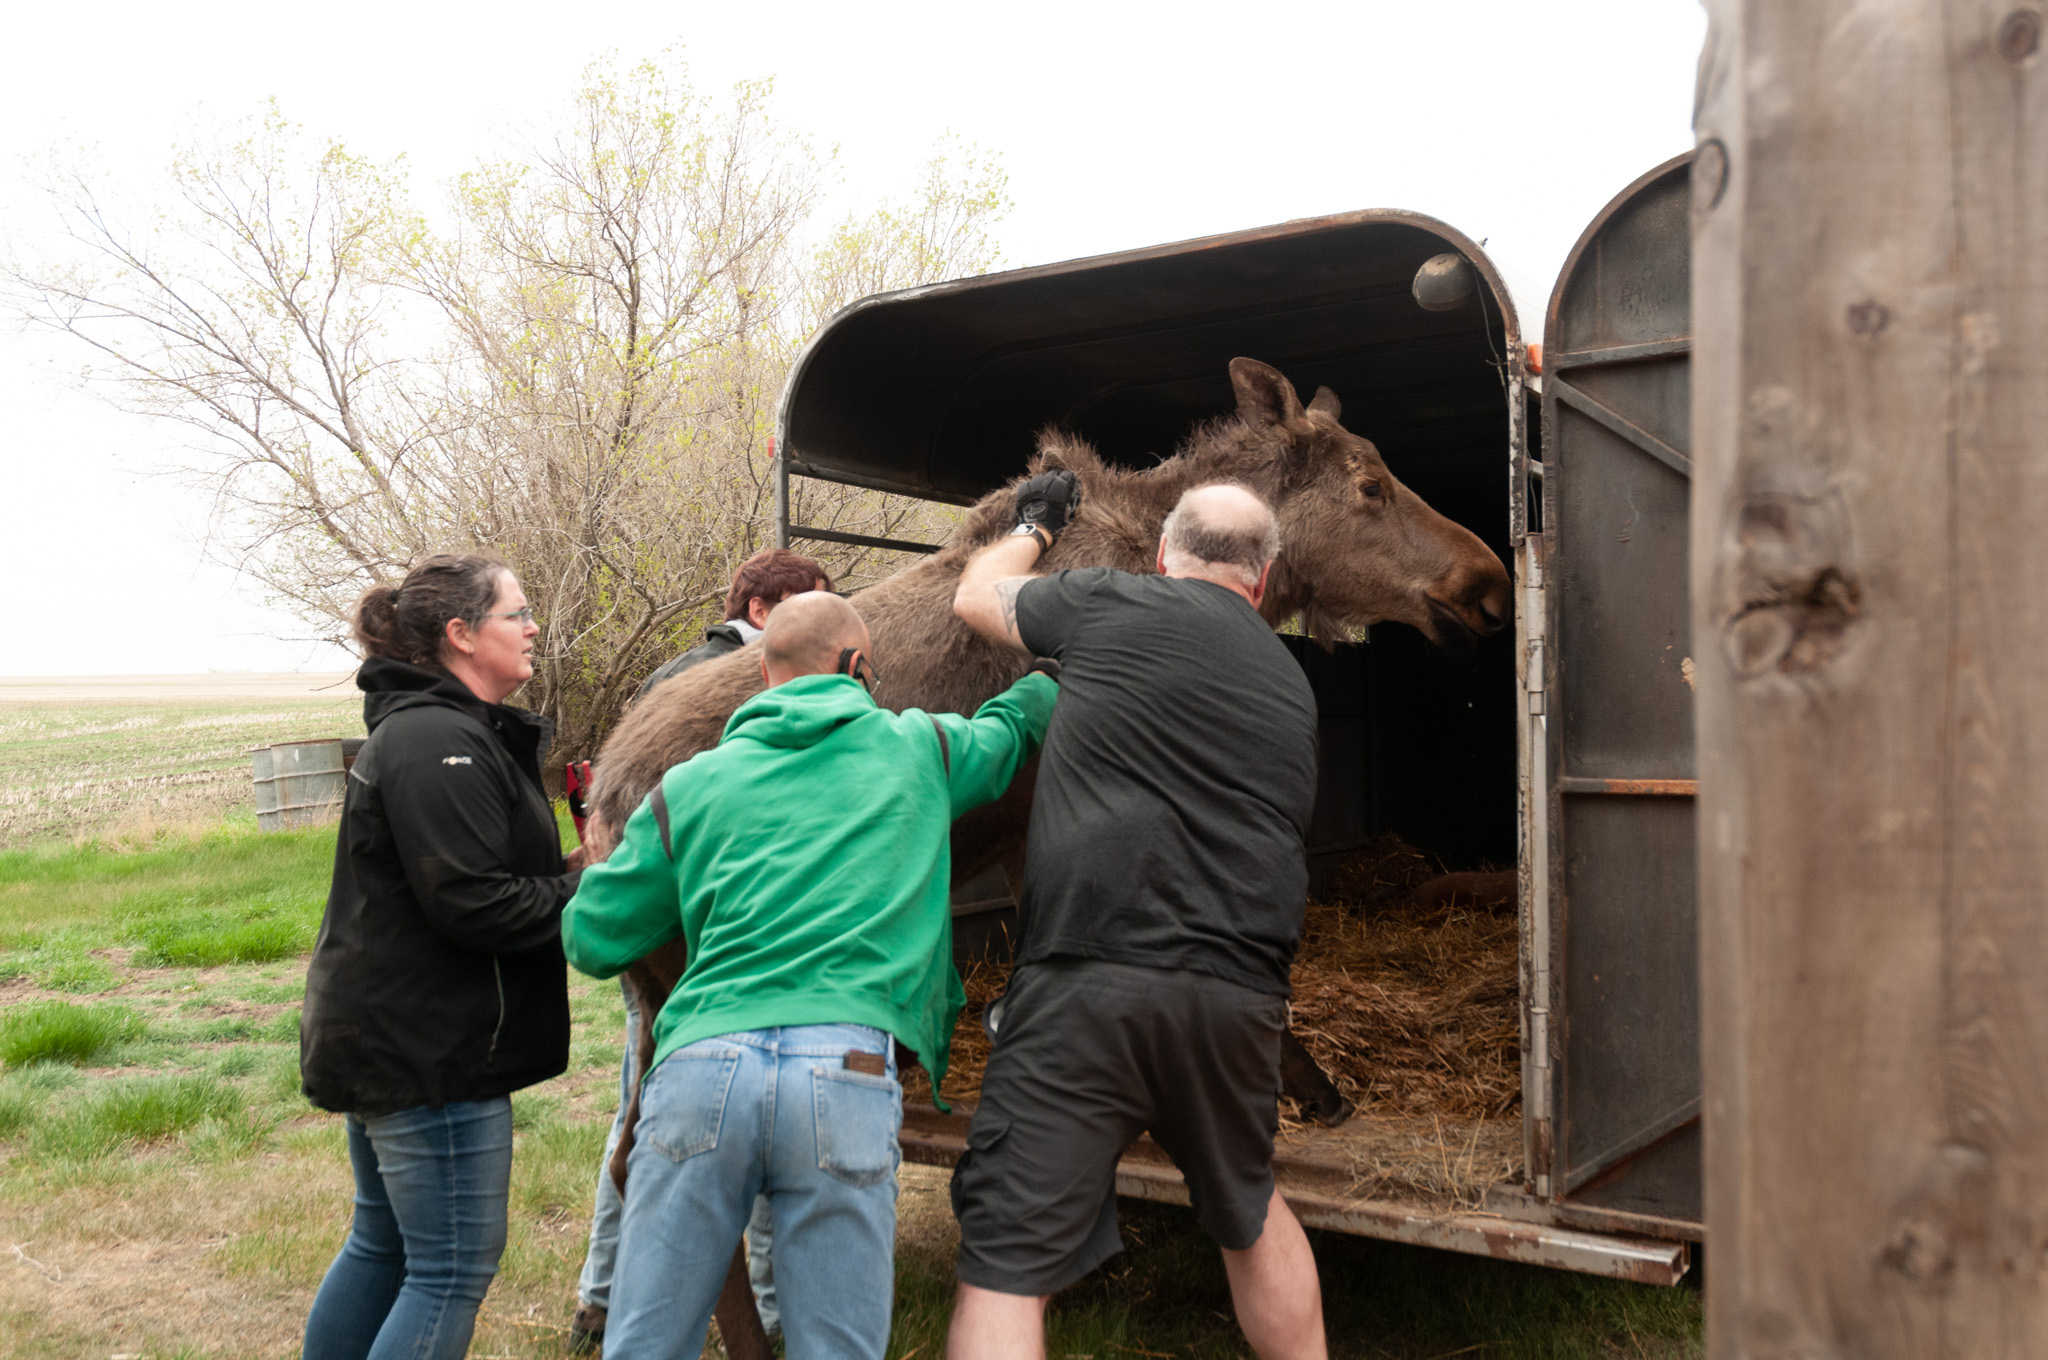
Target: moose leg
x=651, y=979
x=739, y=1321
x=1302, y=1079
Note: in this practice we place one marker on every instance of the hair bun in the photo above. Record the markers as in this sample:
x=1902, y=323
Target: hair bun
x=376, y=622
x=408, y=621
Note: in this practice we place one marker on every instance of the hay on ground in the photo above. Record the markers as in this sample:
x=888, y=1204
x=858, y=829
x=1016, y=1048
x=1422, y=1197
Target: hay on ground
x=1408, y=999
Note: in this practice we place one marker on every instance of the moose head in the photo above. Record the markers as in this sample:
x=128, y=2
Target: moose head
x=1358, y=547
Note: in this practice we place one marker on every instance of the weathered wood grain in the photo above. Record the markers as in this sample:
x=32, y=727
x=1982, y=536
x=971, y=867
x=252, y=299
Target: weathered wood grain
x=1870, y=578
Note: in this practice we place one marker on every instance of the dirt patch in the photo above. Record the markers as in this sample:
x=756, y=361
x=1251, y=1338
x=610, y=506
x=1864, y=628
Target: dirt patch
x=137, y=1264
x=142, y=1297
x=216, y=1263
x=163, y=994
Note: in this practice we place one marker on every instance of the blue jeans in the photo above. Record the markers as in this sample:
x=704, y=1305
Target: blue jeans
x=600, y=1259
x=431, y=1191
x=774, y=1112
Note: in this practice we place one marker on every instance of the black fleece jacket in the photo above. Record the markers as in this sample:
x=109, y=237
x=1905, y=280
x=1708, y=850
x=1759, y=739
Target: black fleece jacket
x=720, y=639
x=438, y=975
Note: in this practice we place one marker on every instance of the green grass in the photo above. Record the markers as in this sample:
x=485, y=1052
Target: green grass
x=532, y=1109
x=226, y=894
x=63, y=961
x=18, y=1108
x=128, y=1111
x=282, y=1028
x=63, y=1031
x=146, y=1108
x=201, y=1134
x=206, y=941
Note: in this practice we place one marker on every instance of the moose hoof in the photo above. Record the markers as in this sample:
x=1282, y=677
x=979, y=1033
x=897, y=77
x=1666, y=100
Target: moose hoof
x=1303, y=1079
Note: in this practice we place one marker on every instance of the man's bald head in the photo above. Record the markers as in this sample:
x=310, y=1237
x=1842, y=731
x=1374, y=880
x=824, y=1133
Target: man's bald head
x=807, y=633
x=1220, y=530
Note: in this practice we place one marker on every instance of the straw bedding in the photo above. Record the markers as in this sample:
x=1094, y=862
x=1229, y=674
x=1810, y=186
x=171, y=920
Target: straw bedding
x=1406, y=994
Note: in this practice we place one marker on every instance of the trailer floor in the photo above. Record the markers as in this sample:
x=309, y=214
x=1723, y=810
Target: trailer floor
x=1376, y=1180
x=1439, y=1163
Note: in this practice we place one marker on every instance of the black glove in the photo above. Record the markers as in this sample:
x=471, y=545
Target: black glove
x=1049, y=502
x=1047, y=667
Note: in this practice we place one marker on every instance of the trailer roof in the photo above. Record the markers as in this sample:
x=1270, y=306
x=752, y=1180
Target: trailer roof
x=939, y=391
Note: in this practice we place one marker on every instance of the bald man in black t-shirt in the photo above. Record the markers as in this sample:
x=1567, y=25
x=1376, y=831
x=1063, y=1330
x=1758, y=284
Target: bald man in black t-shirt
x=1163, y=886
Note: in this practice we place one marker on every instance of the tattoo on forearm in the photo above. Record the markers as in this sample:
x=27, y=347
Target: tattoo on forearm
x=1007, y=591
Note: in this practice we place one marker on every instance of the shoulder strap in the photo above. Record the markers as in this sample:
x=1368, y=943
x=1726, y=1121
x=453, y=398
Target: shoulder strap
x=945, y=751
x=659, y=801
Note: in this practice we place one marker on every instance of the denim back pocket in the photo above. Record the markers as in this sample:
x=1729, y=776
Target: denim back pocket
x=857, y=1119
x=683, y=1102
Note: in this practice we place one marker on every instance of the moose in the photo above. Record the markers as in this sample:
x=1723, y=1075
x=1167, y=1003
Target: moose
x=1358, y=548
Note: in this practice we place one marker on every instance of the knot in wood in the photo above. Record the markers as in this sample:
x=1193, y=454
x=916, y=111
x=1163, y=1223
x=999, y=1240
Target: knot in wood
x=1947, y=1208
x=1921, y=1251
x=1795, y=625
x=1787, y=600
x=1709, y=174
x=1868, y=317
x=2019, y=34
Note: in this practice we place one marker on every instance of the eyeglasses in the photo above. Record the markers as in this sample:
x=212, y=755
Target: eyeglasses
x=854, y=662
x=524, y=616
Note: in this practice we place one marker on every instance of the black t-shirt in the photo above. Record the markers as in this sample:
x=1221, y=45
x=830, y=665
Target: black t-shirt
x=1176, y=781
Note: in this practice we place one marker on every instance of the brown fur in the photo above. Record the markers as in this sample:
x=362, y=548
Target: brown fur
x=1348, y=558
x=1486, y=891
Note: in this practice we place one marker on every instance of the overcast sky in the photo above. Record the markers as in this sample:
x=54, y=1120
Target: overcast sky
x=1120, y=124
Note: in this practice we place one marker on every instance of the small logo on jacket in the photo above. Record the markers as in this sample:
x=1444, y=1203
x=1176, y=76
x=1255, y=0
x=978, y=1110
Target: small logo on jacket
x=456, y=760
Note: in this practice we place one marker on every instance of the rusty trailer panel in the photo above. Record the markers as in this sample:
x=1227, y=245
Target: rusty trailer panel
x=1669, y=788
x=1314, y=1190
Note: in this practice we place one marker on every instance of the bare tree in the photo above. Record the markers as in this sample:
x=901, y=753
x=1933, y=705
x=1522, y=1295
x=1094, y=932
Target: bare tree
x=574, y=365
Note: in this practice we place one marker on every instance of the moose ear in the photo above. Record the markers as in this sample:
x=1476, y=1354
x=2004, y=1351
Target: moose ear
x=1264, y=397
x=1326, y=402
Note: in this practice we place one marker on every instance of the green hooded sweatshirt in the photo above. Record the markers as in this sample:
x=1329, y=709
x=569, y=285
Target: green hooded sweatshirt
x=811, y=865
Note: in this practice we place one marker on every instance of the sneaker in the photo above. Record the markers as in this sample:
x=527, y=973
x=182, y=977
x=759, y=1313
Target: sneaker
x=586, y=1330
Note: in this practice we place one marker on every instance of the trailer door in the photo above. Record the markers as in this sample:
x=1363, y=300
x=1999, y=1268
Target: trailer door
x=1623, y=1148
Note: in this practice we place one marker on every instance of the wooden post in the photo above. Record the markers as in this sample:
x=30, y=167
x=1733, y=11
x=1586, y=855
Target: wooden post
x=1870, y=585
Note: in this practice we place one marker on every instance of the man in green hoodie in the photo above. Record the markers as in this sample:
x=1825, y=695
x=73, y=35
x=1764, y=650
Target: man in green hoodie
x=805, y=862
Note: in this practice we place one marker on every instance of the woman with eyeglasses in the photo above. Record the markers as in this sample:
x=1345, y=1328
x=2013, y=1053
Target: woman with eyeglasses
x=437, y=986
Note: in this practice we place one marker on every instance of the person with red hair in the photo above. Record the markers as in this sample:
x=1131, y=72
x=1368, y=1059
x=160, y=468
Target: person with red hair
x=763, y=581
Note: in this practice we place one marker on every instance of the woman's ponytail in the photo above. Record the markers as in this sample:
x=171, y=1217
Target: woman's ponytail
x=376, y=623
x=409, y=621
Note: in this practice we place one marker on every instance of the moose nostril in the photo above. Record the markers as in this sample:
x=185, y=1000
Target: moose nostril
x=1491, y=613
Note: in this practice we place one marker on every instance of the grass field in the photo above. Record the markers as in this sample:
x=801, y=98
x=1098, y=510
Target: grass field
x=166, y=1192
x=107, y=767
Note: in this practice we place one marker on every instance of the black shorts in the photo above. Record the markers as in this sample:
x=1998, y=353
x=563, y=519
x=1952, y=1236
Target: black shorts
x=1088, y=1056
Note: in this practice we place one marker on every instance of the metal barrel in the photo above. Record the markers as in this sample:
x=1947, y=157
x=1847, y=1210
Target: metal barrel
x=300, y=783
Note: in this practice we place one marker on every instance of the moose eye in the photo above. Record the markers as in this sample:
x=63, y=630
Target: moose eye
x=1372, y=491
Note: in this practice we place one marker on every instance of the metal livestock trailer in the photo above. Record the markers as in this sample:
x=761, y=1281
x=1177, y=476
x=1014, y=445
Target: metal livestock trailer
x=1567, y=749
